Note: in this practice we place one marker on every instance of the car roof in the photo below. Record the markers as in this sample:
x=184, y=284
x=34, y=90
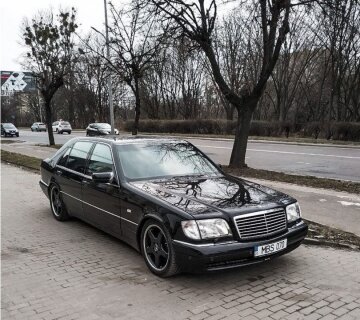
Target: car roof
x=129, y=139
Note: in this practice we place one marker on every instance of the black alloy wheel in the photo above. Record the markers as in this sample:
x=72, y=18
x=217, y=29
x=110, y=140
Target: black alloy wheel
x=57, y=205
x=157, y=249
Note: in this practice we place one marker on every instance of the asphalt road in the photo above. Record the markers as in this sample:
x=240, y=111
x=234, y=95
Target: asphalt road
x=322, y=161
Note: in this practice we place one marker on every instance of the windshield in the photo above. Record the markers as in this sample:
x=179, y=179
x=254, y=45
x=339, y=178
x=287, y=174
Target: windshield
x=8, y=126
x=157, y=160
x=103, y=125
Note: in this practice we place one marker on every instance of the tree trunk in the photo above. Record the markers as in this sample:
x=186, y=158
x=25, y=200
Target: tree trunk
x=48, y=113
x=237, y=159
x=137, y=108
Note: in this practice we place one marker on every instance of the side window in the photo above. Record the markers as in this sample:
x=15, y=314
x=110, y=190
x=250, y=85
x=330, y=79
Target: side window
x=64, y=157
x=100, y=160
x=78, y=155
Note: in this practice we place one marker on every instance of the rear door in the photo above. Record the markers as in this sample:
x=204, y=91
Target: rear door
x=101, y=201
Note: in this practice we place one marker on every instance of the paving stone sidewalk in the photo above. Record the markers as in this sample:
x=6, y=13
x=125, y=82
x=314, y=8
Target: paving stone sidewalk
x=53, y=270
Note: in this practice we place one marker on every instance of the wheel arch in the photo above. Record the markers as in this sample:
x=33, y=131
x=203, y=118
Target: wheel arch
x=147, y=217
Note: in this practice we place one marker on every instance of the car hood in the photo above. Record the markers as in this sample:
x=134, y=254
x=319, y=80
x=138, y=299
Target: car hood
x=225, y=194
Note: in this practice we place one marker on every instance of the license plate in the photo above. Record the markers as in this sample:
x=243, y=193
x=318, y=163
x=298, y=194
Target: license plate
x=270, y=248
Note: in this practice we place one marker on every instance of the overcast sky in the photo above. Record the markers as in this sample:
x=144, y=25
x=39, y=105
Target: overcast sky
x=12, y=13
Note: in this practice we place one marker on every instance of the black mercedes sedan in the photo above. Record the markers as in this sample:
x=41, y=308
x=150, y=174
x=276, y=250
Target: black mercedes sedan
x=168, y=200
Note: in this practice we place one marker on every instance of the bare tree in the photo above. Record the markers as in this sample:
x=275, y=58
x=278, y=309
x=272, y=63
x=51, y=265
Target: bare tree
x=50, y=46
x=135, y=38
x=197, y=21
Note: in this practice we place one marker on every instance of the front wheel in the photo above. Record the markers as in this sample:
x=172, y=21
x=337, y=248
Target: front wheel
x=57, y=205
x=69, y=132
x=157, y=249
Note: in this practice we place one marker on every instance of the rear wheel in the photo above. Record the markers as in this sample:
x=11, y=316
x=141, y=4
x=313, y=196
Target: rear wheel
x=157, y=249
x=56, y=203
x=69, y=132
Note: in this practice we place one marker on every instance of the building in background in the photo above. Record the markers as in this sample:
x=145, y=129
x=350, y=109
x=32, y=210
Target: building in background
x=17, y=88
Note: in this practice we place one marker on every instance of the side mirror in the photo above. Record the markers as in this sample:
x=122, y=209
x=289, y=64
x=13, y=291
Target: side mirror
x=102, y=177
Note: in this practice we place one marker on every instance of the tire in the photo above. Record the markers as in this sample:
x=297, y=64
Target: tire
x=57, y=205
x=17, y=135
x=157, y=250
x=69, y=132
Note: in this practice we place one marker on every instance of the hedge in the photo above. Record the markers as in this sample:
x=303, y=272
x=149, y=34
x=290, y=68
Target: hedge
x=347, y=131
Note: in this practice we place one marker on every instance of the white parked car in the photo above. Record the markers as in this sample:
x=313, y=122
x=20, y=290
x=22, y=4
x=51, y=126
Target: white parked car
x=61, y=127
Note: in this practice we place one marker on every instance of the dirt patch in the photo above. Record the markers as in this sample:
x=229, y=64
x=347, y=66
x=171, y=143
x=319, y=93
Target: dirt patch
x=3, y=141
x=55, y=146
x=324, y=235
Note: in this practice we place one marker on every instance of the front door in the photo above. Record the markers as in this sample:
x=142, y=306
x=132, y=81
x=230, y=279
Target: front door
x=101, y=203
x=69, y=173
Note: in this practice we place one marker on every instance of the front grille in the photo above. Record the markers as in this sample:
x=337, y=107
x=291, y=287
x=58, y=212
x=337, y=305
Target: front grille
x=261, y=224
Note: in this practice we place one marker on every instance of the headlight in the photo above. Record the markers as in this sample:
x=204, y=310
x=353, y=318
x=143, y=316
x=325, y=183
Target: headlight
x=293, y=212
x=206, y=229
x=190, y=229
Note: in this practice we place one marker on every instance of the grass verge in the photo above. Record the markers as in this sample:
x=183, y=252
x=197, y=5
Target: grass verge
x=308, y=181
x=18, y=159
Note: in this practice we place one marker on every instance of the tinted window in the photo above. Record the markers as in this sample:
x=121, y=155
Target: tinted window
x=65, y=123
x=78, y=155
x=101, y=159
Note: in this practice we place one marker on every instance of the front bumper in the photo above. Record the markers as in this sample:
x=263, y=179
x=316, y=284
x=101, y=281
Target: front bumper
x=212, y=257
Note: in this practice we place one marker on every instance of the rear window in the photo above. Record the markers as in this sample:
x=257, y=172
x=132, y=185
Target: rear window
x=64, y=123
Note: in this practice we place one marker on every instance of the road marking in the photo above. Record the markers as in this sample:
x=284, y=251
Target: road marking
x=347, y=203
x=286, y=152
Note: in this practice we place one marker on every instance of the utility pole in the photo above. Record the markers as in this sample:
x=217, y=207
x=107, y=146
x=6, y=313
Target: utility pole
x=109, y=75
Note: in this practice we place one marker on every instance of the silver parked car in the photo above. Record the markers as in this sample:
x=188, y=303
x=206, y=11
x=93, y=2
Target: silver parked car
x=38, y=126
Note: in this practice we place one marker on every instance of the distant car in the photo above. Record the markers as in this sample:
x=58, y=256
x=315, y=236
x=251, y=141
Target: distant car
x=99, y=129
x=61, y=127
x=8, y=129
x=38, y=126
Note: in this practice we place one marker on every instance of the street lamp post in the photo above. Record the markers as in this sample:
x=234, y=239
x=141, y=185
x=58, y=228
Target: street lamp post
x=109, y=75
